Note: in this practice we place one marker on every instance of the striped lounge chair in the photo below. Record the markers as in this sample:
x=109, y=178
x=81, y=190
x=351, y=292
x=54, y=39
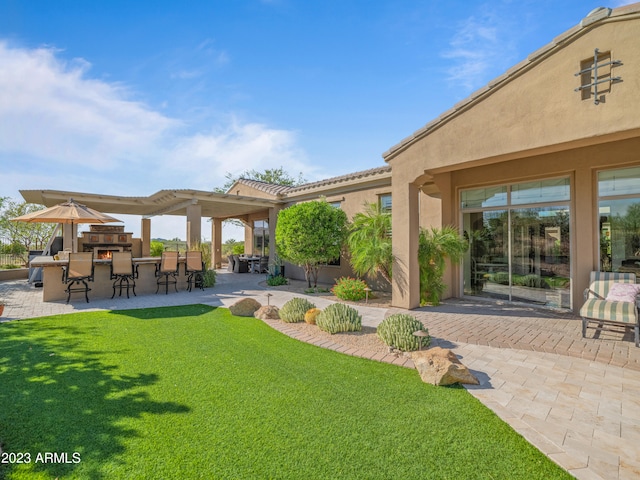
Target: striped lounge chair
x=597, y=309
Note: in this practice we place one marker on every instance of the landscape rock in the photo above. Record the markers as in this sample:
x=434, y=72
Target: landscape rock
x=268, y=312
x=245, y=307
x=440, y=366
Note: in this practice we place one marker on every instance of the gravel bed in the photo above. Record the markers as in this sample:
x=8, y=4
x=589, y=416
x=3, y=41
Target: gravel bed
x=367, y=339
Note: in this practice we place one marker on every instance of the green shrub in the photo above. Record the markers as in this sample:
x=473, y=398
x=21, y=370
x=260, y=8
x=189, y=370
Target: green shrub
x=339, y=317
x=238, y=249
x=501, y=278
x=9, y=266
x=316, y=290
x=311, y=316
x=209, y=278
x=532, y=280
x=156, y=248
x=397, y=331
x=276, y=280
x=348, y=288
x=293, y=311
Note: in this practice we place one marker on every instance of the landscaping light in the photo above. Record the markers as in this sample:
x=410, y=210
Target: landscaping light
x=420, y=334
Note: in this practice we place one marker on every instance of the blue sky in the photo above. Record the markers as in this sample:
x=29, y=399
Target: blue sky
x=126, y=97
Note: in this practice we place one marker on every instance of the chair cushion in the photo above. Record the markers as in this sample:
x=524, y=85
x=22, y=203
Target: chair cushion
x=622, y=312
x=623, y=292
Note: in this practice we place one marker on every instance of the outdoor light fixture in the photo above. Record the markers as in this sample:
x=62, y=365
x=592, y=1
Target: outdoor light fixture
x=420, y=334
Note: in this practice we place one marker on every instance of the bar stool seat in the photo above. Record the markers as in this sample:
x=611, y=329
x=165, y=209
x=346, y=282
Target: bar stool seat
x=77, y=273
x=194, y=269
x=123, y=273
x=167, y=271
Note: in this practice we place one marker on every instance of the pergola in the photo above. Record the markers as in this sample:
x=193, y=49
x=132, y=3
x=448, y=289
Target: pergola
x=192, y=204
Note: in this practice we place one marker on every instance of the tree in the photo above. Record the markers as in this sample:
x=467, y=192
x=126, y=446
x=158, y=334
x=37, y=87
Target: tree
x=434, y=247
x=276, y=176
x=311, y=234
x=369, y=242
x=32, y=236
x=229, y=245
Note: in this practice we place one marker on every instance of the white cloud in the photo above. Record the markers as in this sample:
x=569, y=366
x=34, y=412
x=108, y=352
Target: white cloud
x=238, y=147
x=49, y=109
x=62, y=129
x=480, y=44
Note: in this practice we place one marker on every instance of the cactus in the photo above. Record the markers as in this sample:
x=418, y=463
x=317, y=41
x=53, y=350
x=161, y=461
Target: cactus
x=397, y=331
x=293, y=311
x=339, y=317
x=311, y=315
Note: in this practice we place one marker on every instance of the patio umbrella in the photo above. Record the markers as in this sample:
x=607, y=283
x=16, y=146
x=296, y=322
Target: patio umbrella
x=70, y=212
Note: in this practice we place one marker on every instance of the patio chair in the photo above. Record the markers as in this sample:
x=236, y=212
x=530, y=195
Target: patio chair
x=611, y=301
x=194, y=269
x=231, y=262
x=240, y=265
x=263, y=266
x=123, y=273
x=167, y=271
x=77, y=273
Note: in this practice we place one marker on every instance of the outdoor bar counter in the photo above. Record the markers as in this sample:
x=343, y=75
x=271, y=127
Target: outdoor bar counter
x=53, y=288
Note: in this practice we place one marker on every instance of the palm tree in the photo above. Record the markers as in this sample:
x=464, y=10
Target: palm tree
x=369, y=242
x=434, y=247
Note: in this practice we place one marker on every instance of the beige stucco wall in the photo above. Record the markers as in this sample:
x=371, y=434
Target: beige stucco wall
x=532, y=126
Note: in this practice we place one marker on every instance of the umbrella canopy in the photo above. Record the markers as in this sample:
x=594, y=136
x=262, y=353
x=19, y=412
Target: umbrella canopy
x=68, y=212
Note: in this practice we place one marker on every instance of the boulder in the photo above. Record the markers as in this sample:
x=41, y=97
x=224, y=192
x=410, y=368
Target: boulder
x=268, y=312
x=440, y=366
x=245, y=307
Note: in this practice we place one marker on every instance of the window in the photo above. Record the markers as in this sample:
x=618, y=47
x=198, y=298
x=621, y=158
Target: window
x=596, y=76
x=261, y=237
x=484, y=197
x=519, y=242
x=385, y=203
x=619, y=220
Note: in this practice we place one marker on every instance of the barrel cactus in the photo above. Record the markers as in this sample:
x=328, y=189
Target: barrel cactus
x=311, y=315
x=397, y=331
x=293, y=311
x=339, y=317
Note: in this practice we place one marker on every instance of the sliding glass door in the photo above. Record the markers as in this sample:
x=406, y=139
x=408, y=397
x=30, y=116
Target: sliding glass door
x=619, y=220
x=520, y=252
x=540, y=246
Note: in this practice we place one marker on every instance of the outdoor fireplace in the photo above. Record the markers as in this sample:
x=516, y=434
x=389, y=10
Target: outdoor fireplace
x=103, y=240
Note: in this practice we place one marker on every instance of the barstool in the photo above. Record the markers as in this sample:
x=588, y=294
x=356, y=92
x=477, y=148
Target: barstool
x=123, y=273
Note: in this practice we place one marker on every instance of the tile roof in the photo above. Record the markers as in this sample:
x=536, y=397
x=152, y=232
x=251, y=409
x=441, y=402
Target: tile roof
x=372, y=172
x=270, y=188
x=285, y=191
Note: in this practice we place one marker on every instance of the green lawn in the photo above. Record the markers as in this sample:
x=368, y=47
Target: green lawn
x=194, y=392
